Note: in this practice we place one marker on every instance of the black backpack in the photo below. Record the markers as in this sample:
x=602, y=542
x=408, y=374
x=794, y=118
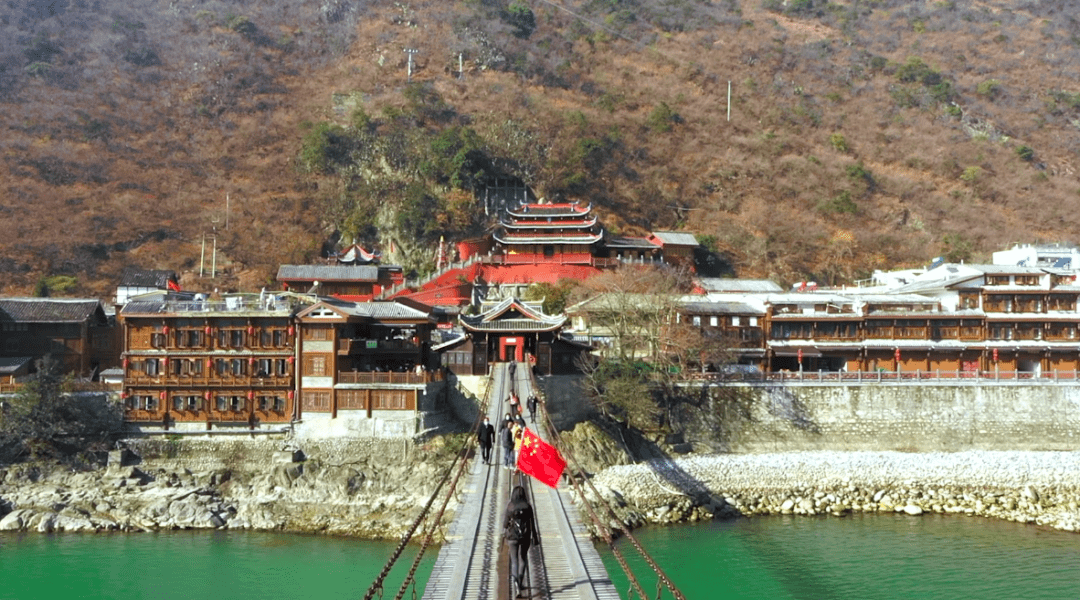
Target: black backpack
x=519, y=524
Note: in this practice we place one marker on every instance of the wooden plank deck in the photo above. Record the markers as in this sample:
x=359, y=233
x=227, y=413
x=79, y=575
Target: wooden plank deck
x=472, y=563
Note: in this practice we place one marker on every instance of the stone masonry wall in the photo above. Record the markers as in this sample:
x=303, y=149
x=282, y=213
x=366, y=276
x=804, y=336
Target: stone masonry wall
x=911, y=418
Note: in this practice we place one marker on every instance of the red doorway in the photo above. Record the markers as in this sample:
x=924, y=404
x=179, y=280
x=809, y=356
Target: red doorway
x=511, y=348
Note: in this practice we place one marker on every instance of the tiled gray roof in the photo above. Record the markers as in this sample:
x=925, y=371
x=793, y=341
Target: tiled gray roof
x=12, y=364
x=493, y=319
x=48, y=310
x=376, y=309
x=720, y=308
x=676, y=238
x=136, y=277
x=718, y=284
x=328, y=273
x=629, y=242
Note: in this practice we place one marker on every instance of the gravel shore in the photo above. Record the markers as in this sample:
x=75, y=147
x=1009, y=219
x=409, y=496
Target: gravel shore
x=1032, y=487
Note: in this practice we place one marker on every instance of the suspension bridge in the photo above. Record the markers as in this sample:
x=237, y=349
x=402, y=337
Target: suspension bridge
x=473, y=563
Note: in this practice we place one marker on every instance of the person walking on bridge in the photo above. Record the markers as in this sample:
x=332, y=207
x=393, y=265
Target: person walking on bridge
x=532, y=407
x=519, y=530
x=486, y=437
x=506, y=439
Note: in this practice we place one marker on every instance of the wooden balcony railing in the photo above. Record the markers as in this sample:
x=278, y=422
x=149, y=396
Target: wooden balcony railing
x=917, y=376
x=351, y=345
x=374, y=377
x=203, y=381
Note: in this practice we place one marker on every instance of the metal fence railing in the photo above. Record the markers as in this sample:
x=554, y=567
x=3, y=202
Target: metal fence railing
x=916, y=376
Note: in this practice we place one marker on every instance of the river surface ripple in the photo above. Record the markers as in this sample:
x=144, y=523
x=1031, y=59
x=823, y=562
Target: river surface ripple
x=864, y=556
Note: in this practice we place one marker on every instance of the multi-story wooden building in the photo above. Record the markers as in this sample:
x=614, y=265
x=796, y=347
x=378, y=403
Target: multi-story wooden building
x=76, y=332
x=192, y=362
x=365, y=360
x=357, y=283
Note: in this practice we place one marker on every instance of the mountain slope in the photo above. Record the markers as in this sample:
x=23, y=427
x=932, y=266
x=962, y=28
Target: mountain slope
x=862, y=134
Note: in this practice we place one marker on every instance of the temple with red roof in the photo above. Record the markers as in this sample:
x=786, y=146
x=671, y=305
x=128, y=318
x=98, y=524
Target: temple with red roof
x=541, y=242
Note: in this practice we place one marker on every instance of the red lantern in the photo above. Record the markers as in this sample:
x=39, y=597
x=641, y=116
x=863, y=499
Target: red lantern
x=291, y=394
x=162, y=395
x=995, y=354
x=123, y=395
x=251, y=361
x=165, y=330
x=897, y=355
x=291, y=359
x=207, y=330
x=209, y=364
x=125, y=364
x=799, y=355
x=206, y=395
x=251, y=330
x=251, y=395
x=292, y=331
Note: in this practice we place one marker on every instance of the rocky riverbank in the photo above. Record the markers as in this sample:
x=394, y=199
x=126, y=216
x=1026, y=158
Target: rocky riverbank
x=365, y=488
x=1042, y=488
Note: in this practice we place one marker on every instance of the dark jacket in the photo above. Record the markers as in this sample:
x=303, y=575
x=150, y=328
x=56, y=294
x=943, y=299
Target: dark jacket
x=517, y=500
x=486, y=435
x=506, y=434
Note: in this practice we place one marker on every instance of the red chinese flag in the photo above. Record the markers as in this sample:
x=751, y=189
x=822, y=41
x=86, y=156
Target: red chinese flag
x=540, y=459
x=172, y=285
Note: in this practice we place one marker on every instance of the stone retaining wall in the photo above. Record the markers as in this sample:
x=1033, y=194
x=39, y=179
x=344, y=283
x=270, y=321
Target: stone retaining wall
x=746, y=418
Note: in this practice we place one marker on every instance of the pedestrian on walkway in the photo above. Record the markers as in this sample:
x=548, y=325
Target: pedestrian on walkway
x=519, y=436
x=513, y=369
x=486, y=437
x=515, y=404
x=506, y=438
x=519, y=529
x=532, y=407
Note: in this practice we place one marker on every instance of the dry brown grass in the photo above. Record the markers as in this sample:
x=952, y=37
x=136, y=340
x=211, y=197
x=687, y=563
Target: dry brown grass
x=105, y=164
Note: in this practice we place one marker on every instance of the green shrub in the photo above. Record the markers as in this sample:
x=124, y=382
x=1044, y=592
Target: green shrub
x=915, y=70
x=242, y=25
x=521, y=17
x=858, y=172
x=361, y=121
x=989, y=88
x=1025, y=153
x=971, y=174
x=416, y=214
x=323, y=147
x=841, y=203
x=662, y=118
x=838, y=142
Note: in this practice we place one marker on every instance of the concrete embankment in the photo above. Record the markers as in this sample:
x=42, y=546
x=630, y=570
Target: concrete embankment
x=1042, y=488
x=370, y=488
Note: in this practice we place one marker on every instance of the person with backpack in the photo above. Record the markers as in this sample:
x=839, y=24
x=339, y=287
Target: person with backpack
x=519, y=530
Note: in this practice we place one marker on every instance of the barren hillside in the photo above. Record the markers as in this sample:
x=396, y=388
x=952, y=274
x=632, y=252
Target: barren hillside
x=862, y=135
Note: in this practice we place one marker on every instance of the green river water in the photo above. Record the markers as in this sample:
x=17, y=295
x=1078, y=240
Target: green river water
x=861, y=557
x=774, y=558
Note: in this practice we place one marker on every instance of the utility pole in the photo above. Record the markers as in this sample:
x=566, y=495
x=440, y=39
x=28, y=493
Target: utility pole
x=729, y=100
x=461, y=65
x=202, y=255
x=227, y=210
x=411, y=52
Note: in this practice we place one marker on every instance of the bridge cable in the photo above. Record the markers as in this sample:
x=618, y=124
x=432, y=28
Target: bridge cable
x=376, y=586
x=602, y=528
